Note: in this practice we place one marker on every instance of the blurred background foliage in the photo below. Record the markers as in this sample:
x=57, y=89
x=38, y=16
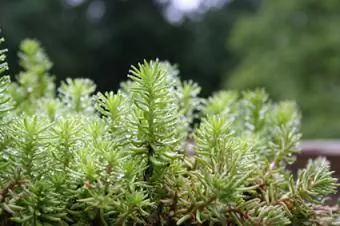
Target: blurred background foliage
x=290, y=47
x=100, y=39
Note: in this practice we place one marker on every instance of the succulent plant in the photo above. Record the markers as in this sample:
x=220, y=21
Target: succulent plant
x=70, y=156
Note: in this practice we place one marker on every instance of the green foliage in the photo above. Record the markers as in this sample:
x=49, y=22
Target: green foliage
x=291, y=48
x=34, y=82
x=76, y=94
x=78, y=158
x=5, y=105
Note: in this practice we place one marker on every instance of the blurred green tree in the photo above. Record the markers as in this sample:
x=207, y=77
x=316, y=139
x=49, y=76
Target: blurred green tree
x=96, y=39
x=100, y=39
x=292, y=48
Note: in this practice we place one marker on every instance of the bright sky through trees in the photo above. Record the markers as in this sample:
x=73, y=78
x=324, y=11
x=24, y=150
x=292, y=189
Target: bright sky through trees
x=175, y=10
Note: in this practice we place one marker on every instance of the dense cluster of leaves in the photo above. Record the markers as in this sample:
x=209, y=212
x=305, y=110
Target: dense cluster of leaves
x=72, y=157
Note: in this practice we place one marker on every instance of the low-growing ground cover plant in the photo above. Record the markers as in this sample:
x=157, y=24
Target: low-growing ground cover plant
x=153, y=153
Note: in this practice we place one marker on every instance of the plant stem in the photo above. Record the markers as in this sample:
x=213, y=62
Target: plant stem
x=149, y=170
x=101, y=215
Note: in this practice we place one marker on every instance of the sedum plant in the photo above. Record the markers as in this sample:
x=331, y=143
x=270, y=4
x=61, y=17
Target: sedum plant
x=152, y=153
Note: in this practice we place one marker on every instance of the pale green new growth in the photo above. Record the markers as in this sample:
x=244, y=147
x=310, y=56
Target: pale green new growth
x=35, y=81
x=72, y=157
